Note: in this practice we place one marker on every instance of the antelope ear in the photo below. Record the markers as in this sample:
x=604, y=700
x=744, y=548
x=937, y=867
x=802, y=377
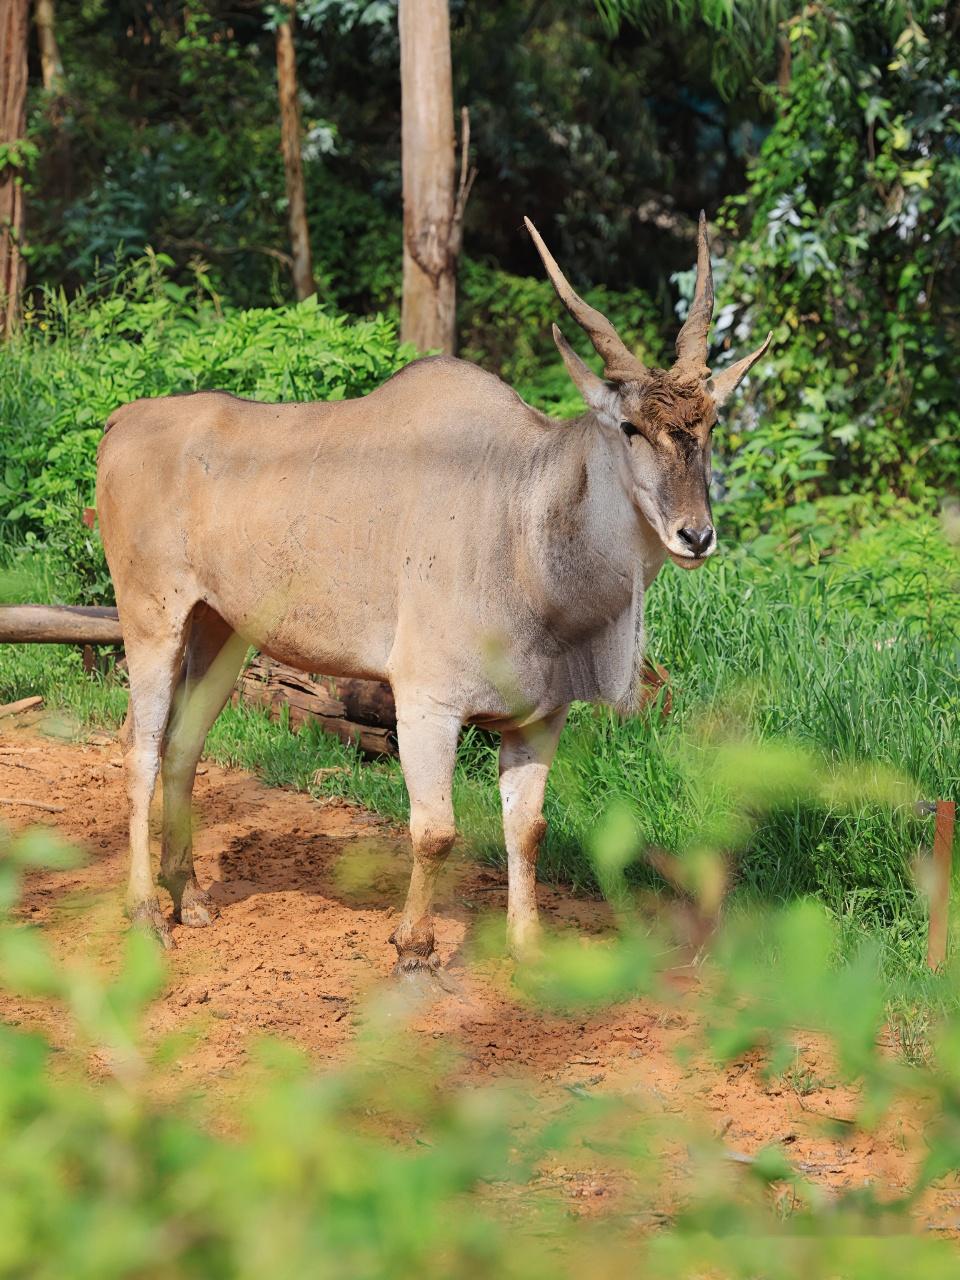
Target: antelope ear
x=599, y=395
x=727, y=380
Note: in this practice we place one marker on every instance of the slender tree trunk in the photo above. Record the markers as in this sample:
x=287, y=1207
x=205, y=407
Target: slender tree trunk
x=14, y=23
x=432, y=204
x=303, y=281
x=784, y=62
x=50, y=65
x=55, y=173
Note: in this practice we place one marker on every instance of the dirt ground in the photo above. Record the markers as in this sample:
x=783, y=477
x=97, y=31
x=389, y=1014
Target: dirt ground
x=309, y=893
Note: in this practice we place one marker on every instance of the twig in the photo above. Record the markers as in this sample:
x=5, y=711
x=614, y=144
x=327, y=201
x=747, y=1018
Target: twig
x=468, y=174
x=34, y=804
x=822, y=1115
x=738, y=1157
x=19, y=764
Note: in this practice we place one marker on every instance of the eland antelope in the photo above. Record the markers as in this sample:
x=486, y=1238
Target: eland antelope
x=489, y=561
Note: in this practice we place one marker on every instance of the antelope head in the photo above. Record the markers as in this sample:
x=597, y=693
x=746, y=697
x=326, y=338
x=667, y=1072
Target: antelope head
x=664, y=417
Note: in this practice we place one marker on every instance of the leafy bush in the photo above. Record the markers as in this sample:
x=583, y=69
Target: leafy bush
x=848, y=249
x=75, y=363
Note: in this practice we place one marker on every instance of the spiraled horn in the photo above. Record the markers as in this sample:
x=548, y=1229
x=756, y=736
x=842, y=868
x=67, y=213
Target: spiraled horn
x=692, y=340
x=619, y=362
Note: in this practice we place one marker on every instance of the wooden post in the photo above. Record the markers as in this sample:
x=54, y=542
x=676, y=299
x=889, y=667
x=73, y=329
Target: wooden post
x=940, y=883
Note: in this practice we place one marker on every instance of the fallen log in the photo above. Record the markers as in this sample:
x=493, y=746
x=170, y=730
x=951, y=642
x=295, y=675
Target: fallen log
x=366, y=701
x=21, y=705
x=59, y=624
x=356, y=711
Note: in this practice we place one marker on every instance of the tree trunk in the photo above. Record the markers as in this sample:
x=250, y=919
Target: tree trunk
x=55, y=172
x=784, y=62
x=50, y=65
x=303, y=281
x=13, y=127
x=432, y=205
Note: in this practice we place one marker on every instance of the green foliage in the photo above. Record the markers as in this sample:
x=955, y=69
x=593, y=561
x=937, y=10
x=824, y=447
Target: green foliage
x=848, y=252
x=20, y=154
x=744, y=34
x=75, y=363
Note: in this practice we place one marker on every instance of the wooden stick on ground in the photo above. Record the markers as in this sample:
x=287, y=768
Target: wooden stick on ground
x=34, y=804
x=21, y=764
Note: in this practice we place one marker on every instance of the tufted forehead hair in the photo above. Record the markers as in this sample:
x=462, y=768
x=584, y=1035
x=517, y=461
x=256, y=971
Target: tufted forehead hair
x=669, y=400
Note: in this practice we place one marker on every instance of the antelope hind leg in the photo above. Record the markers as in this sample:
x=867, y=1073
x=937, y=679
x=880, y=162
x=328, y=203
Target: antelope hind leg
x=213, y=658
x=154, y=656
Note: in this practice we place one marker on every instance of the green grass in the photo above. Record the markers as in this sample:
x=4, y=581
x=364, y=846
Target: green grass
x=822, y=657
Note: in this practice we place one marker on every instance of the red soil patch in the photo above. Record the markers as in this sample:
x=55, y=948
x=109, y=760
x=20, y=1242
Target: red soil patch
x=296, y=947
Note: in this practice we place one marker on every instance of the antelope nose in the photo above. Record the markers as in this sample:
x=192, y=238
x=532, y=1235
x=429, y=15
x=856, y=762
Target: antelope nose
x=698, y=540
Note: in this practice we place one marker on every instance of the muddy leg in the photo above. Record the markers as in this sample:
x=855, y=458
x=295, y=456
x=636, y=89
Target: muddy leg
x=154, y=663
x=428, y=747
x=525, y=758
x=213, y=659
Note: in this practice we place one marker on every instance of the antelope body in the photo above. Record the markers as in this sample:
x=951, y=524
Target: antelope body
x=439, y=533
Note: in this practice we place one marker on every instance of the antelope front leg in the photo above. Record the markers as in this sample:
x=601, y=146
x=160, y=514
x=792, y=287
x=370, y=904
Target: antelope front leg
x=525, y=758
x=428, y=748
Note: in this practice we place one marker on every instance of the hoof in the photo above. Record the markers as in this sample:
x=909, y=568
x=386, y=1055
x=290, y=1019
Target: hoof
x=422, y=974
x=414, y=966
x=525, y=945
x=197, y=909
x=148, y=916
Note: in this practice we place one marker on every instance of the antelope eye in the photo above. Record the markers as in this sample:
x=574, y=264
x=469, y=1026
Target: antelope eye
x=629, y=430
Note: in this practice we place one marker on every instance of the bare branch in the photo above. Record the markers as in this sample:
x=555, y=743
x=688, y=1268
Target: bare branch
x=468, y=174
